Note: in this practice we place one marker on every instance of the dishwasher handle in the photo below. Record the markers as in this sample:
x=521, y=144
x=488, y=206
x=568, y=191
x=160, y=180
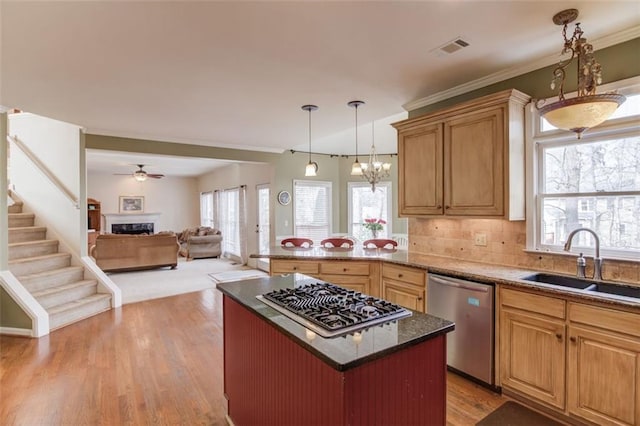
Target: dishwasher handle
x=452, y=282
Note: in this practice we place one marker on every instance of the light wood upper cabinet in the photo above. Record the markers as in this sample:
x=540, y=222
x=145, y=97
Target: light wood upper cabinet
x=465, y=161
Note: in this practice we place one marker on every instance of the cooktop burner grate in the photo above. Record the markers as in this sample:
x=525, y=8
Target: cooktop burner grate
x=330, y=310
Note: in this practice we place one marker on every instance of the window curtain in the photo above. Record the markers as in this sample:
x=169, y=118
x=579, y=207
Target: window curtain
x=242, y=210
x=216, y=209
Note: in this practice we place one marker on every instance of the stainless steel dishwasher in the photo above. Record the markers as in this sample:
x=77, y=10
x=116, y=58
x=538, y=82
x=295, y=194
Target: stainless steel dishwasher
x=470, y=305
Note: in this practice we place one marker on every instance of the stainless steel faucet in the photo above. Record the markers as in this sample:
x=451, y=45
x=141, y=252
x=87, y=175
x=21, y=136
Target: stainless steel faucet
x=597, y=261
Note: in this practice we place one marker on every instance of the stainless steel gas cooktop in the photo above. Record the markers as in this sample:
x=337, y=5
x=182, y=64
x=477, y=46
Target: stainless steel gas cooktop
x=332, y=311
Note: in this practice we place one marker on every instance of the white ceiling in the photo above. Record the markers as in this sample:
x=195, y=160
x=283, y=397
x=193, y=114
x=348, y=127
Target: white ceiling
x=235, y=74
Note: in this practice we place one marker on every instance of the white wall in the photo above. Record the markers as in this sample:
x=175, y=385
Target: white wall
x=177, y=199
x=234, y=175
x=57, y=145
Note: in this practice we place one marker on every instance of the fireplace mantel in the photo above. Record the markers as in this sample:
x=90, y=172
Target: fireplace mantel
x=123, y=218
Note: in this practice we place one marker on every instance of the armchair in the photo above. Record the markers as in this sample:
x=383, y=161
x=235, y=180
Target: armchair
x=198, y=243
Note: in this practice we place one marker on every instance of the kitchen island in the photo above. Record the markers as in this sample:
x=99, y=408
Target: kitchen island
x=279, y=372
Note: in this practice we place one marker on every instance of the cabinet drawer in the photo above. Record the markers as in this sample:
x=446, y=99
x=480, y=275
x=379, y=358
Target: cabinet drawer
x=608, y=319
x=344, y=268
x=353, y=282
x=289, y=266
x=533, y=303
x=404, y=274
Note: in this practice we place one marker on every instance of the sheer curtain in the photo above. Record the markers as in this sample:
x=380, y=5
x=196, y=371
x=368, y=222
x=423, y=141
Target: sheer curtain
x=242, y=224
x=232, y=222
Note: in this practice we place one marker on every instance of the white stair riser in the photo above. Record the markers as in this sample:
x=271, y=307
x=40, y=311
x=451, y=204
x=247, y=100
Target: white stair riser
x=28, y=267
x=24, y=235
x=32, y=250
x=84, y=311
x=16, y=208
x=67, y=296
x=20, y=220
x=40, y=283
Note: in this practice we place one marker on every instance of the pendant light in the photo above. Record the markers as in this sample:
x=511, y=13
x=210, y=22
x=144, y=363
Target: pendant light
x=312, y=166
x=375, y=169
x=587, y=109
x=356, y=167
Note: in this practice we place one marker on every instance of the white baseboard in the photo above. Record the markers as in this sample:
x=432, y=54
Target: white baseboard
x=11, y=331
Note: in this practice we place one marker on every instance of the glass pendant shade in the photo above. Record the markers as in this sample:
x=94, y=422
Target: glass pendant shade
x=311, y=169
x=140, y=176
x=580, y=114
x=356, y=168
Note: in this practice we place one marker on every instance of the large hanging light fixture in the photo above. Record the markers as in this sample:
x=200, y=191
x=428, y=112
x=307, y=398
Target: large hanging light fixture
x=312, y=166
x=356, y=167
x=587, y=109
x=375, y=169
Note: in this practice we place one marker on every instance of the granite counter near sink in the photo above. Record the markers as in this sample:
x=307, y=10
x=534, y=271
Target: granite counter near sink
x=474, y=271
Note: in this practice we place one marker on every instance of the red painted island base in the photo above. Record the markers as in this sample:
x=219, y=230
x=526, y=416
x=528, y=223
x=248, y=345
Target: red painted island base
x=271, y=380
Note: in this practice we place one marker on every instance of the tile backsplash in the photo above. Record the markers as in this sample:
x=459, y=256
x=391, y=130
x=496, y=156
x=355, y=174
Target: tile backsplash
x=505, y=246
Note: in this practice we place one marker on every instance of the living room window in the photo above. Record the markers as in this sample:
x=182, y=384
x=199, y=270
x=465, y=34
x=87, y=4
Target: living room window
x=593, y=182
x=206, y=209
x=366, y=204
x=312, y=209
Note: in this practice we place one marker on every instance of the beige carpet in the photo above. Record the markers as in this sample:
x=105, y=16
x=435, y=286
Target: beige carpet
x=162, y=282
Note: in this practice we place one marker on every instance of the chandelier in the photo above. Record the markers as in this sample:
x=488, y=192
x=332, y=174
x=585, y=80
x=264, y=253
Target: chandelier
x=374, y=170
x=587, y=109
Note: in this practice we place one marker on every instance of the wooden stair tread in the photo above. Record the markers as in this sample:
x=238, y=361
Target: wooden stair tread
x=58, y=289
x=50, y=273
x=78, y=303
x=29, y=215
x=29, y=228
x=41, y=257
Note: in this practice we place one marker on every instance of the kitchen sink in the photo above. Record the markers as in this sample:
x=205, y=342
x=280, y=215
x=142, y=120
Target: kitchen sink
x=585, y=284
x=560, y=280
x=619, y=290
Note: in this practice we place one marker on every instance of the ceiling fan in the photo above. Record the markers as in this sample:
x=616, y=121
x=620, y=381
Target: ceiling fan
x=140, y=175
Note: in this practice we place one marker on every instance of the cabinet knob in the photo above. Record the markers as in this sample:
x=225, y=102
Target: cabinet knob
x=419, y=298
x=399, y=275
x=447, y=207
x=439, y=206
x=559, y=336
x=344, y=269
x=295, y=268
x=573, y=339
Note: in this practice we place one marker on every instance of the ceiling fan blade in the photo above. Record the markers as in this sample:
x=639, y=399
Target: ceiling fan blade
x=122, y=174
x=155, y=175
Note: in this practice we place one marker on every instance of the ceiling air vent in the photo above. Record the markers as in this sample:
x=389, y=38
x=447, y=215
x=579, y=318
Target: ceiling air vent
x=453, y=46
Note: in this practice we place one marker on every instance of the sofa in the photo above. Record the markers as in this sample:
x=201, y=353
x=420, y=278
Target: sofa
x=123, y=252
x=198, y=243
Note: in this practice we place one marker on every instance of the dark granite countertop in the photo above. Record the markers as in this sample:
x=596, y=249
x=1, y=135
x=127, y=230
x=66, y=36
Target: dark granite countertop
x=474, y=271
x=341, y=353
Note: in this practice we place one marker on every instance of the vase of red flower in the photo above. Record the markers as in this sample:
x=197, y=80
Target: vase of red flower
x=374, y=225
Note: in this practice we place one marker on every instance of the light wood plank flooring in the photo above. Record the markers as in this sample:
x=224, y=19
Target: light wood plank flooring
x=157, y=362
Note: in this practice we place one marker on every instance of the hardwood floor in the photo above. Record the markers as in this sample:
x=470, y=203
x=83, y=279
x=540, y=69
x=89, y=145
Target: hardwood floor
x=157, y=362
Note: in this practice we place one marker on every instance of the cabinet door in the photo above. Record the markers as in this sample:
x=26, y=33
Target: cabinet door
x=474, y=149
x=420, y=171
x=404, y=295
x=532, y=356
x=604, y=377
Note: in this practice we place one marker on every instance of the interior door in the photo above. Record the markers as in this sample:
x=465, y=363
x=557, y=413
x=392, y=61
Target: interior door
x=263, y=227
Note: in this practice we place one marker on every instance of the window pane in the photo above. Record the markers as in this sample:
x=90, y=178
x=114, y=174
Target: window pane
x=612, y=165
x=366, y=204
x=263, y=219
x=312, y=209
x=616, y=220
x=206, y=209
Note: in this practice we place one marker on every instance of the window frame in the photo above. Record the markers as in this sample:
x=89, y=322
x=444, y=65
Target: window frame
x=536, y=140
x=389, y=219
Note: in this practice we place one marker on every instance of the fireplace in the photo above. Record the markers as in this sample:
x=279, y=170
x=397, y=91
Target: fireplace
x=132, y=228
x=131, y=223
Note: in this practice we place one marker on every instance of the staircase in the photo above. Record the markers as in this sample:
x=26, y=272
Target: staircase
x=48, y=275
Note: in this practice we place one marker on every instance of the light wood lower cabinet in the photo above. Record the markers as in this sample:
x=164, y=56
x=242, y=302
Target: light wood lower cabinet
x=599, y=346
x=604, y=366
x=532, y=351
x=404, y=286
x=360, y=276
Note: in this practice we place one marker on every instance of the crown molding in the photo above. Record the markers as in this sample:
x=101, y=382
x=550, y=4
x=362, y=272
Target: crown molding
x=601, y=43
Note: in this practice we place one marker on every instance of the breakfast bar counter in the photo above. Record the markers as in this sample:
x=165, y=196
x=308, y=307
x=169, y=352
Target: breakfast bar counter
x=279, y=372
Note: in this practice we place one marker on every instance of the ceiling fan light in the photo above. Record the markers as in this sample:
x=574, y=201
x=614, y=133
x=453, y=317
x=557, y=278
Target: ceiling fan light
x=140, y=175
